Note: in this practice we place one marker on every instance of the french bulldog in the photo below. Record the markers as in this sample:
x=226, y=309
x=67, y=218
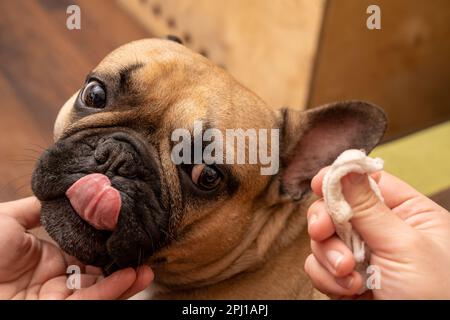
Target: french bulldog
x=208, y=231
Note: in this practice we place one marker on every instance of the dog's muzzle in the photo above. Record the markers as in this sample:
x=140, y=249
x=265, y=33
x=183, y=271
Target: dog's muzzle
x=115, y=216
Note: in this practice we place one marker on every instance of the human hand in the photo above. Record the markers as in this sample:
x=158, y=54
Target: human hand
x=31, y=268
x=408, y=235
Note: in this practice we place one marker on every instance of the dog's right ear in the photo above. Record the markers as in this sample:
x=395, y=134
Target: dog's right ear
x=313, y=139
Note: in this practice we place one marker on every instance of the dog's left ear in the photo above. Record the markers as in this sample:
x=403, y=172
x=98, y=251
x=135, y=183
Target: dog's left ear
x=313, y=139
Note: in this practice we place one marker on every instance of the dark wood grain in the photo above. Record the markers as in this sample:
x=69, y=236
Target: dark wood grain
x=42, y=64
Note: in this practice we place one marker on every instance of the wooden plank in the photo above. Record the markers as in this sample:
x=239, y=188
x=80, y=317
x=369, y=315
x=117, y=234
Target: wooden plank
x=41, y=64
x=21, y=142
x=269, y=46
x=403, y=67
x=104, y=26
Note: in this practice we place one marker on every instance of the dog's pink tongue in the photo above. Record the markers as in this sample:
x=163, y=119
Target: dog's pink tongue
x=96, y=201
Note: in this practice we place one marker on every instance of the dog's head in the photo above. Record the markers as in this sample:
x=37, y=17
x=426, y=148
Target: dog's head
x=182, y=216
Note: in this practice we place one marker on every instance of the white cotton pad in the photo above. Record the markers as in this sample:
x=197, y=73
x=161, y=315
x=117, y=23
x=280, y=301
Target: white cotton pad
x=338, y=208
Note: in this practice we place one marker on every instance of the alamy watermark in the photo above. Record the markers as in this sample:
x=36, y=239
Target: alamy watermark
x=373, y=281
x=73, y=21
x=374, y=20
x=235, y=146
x=73, y=281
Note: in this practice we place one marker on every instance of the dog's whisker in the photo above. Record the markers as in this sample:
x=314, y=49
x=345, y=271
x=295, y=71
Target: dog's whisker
x=109, y=265
x=33, y=150
x=24, y=161
x=41, y=148
x=21, y=188
x=169, y=236
x=140, y=254
x=150, y=237
x=12, y=181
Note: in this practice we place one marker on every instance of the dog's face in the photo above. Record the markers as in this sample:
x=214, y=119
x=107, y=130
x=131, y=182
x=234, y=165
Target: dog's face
x=181, y=217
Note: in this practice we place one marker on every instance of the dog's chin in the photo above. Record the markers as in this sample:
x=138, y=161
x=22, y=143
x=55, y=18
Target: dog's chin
x=129, y=245
x=142, y=222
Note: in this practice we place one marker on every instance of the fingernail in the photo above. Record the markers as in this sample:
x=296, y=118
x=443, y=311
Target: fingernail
x=346, y=282
x=334, y=258
x=356, y=178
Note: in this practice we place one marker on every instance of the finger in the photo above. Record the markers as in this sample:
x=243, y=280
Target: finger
x=374, y=221
x=316, y=182
x=72, y=261
x=320, y=225
x=395, y=191
x=334, y=255
x=94, y=270
x=366, y=295
x=327, y=283
x=26, y=211
x=111, y=287
x=62, y=287
x=85, y=280
x=143, y=279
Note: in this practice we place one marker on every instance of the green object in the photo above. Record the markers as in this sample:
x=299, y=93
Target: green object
x=421, y=159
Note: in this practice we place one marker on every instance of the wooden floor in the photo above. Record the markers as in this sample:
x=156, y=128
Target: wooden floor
x=41, y=64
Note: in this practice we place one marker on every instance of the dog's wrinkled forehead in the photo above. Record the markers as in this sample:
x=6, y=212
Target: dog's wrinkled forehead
x=142, y=52
x=162, y=70
x=149, y=79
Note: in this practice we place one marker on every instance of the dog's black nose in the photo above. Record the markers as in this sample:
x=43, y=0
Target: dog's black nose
x=117, y=157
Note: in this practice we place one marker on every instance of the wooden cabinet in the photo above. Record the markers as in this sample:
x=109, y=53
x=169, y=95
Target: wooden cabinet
x=302, y=53
x=269, y=46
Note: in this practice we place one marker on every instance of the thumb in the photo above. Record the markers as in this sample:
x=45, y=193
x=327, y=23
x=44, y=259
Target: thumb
x=26, y=211
x=372, y=219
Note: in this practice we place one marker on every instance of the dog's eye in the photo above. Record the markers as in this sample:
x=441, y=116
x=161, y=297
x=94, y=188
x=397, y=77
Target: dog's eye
x=94, y=95
x=205, y=177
